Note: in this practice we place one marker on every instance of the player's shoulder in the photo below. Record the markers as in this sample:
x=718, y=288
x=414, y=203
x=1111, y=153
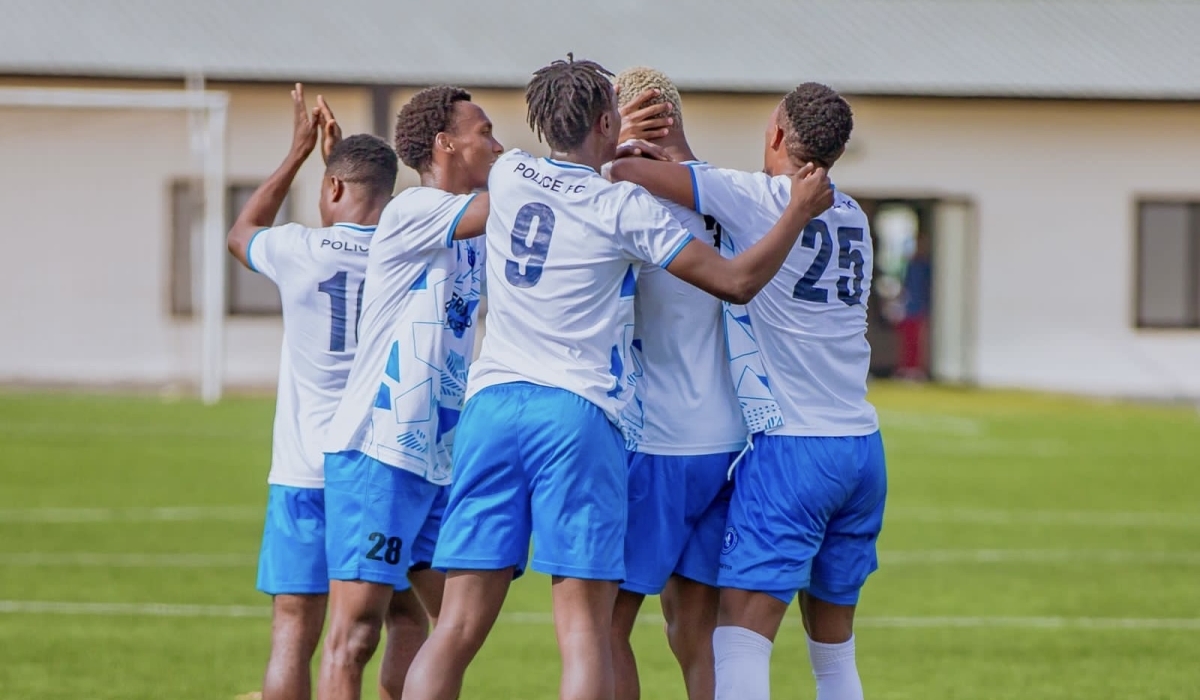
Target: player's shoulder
x=847, y=209
x=418, y=197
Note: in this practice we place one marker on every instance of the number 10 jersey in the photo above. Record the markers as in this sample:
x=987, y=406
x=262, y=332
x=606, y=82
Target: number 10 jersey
x=564, y=248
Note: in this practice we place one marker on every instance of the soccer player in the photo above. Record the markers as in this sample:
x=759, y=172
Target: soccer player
x=314, y=269
x=387, y=453
x=538, y=450
x=688, y=427
x=808, y=504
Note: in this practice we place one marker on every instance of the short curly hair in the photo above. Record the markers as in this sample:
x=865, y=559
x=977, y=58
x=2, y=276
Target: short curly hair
x=366, y=160
x=565, y=99
x=428, y=113
x=633, y=81
x=818, y=123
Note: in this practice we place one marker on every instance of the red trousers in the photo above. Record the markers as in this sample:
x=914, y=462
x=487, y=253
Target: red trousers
x=913, y=339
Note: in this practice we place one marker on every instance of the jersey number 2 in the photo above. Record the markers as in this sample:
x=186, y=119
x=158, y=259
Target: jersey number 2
x=849, y=288
x=531, y=252
x=335, y=287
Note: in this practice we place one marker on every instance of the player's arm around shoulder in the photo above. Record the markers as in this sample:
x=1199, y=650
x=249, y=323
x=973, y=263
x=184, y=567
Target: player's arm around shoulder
x=664, y=179
x=263, y=206
x=738, y=280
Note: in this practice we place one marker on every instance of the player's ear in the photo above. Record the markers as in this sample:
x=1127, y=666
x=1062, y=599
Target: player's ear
x=337, y=188
x=777, y=137
x=443, y=143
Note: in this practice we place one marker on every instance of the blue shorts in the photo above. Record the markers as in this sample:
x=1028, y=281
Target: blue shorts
x=677, y=511
x=540, y=461
x=380, y=519
x=292, y=558
x=805, y=515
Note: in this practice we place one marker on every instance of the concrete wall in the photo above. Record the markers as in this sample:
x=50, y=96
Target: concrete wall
x=1052, y=186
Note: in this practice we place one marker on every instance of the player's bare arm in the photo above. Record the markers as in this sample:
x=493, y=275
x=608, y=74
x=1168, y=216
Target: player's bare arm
x=474, y=219
x=667, y=180
x=262, y=208
x=737, y=280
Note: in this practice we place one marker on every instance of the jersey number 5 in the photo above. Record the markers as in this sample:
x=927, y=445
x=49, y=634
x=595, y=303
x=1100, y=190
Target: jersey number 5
x=849, y=287
x=335, y=287
x=531, y=252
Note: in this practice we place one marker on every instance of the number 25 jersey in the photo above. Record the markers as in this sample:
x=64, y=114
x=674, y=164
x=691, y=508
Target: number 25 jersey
x=810, y=321
x=564, y=248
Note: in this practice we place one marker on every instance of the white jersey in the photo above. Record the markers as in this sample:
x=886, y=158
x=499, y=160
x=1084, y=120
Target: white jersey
x=319, y=272
x=810, y=321
x=564, y=250
x=684, y=402
x=417, y=333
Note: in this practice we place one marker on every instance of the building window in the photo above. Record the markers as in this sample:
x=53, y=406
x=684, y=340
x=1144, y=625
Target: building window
x=1168, y=260
x=246, y=293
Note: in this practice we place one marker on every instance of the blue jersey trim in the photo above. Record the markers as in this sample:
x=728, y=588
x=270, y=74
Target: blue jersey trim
x=695, y=188
x=458, y=218
x=356, y=227
x=678, y=248
x=249, y=260
x=575, y=166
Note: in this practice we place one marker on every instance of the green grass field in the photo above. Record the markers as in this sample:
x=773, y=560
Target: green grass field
x=1034, y=547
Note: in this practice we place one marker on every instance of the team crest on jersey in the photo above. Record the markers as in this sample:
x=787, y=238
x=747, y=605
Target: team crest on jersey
x=730, y=541
x=458, y=314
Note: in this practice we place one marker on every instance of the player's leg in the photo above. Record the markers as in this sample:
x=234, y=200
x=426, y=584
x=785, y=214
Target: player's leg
x=690, y=610
x=292, y=570
x=374, y=513
x=841, y=567
x=656, y=534
x=296, y=622
x=578, y=478
x=690, y=599
x=483, y=543
x=787, y=490
x=412, y=612
x=407, y=626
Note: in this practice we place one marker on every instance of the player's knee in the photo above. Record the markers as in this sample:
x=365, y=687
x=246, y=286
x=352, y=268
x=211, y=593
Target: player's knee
x=353, y=644
x=296, y=623
x=405, y=612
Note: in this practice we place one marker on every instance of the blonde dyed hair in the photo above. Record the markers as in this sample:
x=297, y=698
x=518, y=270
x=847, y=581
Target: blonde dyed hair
x=635, y=80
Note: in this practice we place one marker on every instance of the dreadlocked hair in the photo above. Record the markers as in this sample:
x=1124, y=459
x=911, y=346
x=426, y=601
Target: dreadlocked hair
x=565, y=99
x=428, y=113
x=818, y=124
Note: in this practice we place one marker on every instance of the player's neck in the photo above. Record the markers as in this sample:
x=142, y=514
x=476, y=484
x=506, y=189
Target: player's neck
x=676, y=146
x=452, y=180
x=360, y=213
x=588, y=154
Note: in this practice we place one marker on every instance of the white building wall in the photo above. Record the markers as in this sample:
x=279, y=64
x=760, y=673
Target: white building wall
x=1054, y=186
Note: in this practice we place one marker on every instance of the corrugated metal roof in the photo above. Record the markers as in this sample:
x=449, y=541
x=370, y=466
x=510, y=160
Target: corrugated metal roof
x=1050, y=48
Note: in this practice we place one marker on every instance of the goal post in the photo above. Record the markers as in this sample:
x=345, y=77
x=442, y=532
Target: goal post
x=208, y=138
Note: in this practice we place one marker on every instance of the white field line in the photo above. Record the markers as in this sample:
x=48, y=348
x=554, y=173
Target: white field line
x=132, y=515
x=997, y=516
x=138, y=560
x=544, y=618
x=130, y=430
x=1036, y=556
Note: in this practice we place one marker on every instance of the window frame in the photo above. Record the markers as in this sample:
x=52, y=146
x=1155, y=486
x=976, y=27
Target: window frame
x=1191, y=322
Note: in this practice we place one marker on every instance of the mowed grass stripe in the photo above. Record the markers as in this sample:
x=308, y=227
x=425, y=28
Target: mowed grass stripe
x=546, y=618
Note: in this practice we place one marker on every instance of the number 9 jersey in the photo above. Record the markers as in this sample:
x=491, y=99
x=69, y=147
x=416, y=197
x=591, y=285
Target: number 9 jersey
x=564, y=248
x=810, y=321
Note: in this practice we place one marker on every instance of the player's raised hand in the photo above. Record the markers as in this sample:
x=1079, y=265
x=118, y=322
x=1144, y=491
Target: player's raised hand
x=641, y=148
x=304, y=123
x=331, y=131
x=811, y=190
x=640, y=120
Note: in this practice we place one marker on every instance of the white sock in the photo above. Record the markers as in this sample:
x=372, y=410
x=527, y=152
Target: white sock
x=835, y=670
x=743, y=664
